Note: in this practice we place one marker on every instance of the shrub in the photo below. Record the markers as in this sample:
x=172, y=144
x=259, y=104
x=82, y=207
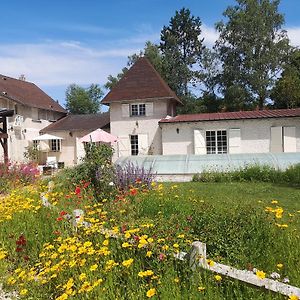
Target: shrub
x=96, y=168
x=252, y=173
x=132, y=175
x=14, y=174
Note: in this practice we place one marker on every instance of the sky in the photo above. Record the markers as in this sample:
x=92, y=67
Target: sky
x=56, y=43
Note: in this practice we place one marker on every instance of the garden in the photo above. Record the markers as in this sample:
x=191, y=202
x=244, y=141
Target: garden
x=100, y=232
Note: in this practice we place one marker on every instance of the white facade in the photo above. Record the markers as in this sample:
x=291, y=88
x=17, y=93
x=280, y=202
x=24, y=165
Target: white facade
x=124, y=125
x=272, y=135
x=24, y=126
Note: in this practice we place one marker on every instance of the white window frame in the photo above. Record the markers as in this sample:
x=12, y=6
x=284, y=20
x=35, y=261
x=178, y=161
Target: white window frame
x=140, y=109
x=214, y=149
x=134, y=144
x=55, y=145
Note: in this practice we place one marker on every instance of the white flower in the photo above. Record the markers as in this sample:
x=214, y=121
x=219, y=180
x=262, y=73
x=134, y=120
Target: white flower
x=275, y=275
x=254, y=270
x=285, y=280
x=111, y=184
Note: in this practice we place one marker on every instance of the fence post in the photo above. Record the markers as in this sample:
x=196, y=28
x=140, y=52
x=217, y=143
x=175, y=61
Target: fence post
x=198, y=255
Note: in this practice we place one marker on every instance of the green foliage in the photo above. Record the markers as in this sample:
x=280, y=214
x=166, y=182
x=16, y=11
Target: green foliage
x=98, y=166
x=31, y=154
x=252, y=48
x=182, y=49
x=252, y=173
x=286, y=92
x=83, y=101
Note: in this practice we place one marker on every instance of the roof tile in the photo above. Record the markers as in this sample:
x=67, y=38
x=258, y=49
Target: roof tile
x=237, y=115
x=141, y=81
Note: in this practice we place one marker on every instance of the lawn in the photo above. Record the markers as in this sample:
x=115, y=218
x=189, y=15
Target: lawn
x=126, y=252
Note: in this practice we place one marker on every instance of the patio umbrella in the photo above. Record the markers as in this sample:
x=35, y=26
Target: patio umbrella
x=99, y=135
x=45, y=137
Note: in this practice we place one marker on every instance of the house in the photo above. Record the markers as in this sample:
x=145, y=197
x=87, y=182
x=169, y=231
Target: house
x=136, y=104
x=71, y=128
x=33, y=111
x=143, y=116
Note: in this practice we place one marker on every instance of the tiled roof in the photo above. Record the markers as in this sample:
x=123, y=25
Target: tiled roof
x=79, y=122
x=141, y=81
x=27, y=93
x=237, y=115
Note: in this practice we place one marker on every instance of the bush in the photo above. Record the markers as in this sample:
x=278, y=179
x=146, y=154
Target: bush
x=14, y=174
x=252, y=173
x=132, y=175
x=96, y=168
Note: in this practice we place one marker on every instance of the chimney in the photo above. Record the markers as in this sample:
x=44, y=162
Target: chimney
x=22, y=77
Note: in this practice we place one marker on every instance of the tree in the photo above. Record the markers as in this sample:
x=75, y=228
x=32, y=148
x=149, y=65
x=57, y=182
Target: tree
x=286, y=92
x=151, y=51
x=252, y=48
x=182, y=49
x=83, y=101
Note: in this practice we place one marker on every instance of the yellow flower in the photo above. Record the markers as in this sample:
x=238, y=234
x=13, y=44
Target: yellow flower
x=127, y=263
x=293, y=297
x=280, y=266
x=64, y=296
x=23, y=292
x=218, y=277
x=105, y=243
x=176, y=246
x=176, y=279
x=260, y=274
x=93, y=267
x=149, y=253
x=274, y=202
x=201, y=288
x=151, y=293
x=82, y=276
x=210, y=262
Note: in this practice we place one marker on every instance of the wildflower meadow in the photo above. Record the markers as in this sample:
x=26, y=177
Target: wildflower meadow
x=60, y=240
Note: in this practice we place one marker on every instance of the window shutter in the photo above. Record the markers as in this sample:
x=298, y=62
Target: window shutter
x=125, y=110
x=235, y=140
x=276, y=139
x=143, y=144
x=149, y=109
x=289, y=139
x=199, y=141
x=123, y=145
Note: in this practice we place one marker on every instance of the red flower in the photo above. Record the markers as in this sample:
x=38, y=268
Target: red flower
x=19, y=249
x=133, y=192
x=62, y=213
x=56, y=232
x=77, y=190
x=21, y=241
x=59, y=219
x=86, y=185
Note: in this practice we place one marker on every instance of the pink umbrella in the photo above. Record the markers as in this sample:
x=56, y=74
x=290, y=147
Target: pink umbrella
x=99, y=135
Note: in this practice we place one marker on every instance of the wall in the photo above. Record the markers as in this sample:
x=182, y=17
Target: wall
x=123, y=127
x=255, y=134
x=20, y=136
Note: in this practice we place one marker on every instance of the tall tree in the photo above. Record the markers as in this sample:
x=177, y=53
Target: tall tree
x=182, y=49
x=286, y=92
x=252, y=48
x=151, y=51
x=83, y=101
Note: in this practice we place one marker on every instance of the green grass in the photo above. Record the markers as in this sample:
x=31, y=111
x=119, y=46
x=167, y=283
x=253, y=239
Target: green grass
x=229, y=217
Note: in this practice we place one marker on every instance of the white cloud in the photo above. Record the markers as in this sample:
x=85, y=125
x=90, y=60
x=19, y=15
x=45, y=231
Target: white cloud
x=62, y=63
x=294, y=35
x=210, y=35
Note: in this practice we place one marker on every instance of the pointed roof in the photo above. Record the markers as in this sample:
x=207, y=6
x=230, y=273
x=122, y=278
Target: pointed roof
x=140, y=82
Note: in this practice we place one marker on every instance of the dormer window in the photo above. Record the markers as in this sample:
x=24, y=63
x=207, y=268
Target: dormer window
x=138, y=109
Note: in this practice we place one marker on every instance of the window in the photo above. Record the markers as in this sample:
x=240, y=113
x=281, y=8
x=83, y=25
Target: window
x=134, y=142
x=35, y=145
x=55, y=145
x=216, y=142
x=138, y=109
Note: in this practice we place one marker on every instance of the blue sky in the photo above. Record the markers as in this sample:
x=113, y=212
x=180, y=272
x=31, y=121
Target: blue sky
x=56, y=43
